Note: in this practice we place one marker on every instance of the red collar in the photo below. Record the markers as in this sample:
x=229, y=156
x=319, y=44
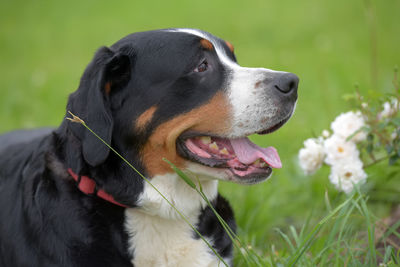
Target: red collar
x=89, y=187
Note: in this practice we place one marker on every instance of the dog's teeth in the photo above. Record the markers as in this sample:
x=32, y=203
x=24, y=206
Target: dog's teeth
x=214, y=146
x=205, y=140
x=224, y=151
x=263, y=164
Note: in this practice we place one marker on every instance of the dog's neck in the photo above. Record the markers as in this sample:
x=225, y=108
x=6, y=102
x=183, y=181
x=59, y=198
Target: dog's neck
x=185, y=199
x=157, y=225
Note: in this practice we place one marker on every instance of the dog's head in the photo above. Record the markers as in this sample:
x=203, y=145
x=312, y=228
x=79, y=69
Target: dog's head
x=179, y=94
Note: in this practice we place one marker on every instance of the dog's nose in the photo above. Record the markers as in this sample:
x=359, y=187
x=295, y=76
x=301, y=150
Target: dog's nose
x=286, y=82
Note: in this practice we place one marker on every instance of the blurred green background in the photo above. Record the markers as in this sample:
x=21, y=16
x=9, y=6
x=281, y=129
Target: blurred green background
x=330, y=45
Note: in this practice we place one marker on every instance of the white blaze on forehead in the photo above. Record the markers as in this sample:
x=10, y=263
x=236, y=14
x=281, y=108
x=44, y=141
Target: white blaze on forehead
x=253, y=109
x=217, y=45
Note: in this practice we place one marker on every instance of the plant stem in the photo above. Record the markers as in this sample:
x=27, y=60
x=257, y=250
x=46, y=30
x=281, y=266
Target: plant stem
x=376, y=161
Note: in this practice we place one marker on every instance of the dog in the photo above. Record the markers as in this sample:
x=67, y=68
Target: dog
x=179, y=94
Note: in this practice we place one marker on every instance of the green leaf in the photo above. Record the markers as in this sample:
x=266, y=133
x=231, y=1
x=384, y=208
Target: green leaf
x=393, y=159
x=181, y=174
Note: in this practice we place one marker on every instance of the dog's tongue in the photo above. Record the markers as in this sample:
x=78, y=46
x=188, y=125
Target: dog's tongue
x=248, y=152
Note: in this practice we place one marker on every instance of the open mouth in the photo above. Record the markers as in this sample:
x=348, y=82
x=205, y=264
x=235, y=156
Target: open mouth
x=244, y=159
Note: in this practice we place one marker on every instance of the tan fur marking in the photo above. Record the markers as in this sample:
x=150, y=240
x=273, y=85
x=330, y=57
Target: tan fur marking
x=230, y=46
x=145, y=118
x=206, y=44
x=212, y=118
x=107, y=88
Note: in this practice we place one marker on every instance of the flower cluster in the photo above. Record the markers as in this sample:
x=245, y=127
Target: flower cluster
x=338, y=150
x=369, y=135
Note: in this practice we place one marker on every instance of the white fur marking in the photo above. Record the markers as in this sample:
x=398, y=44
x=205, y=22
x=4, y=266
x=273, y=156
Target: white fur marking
x=158, y=235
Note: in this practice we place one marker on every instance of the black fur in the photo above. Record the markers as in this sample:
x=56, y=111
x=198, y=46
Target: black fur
x=209, y=227
x=44, y=219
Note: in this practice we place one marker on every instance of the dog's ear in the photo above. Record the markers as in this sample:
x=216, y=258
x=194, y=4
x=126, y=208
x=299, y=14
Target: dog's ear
x=108, y=71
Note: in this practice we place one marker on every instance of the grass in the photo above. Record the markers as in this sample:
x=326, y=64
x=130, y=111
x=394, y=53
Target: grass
x=45, y=46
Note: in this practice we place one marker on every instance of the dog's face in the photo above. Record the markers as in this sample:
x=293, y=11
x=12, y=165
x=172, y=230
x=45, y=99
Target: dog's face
x=179, y=94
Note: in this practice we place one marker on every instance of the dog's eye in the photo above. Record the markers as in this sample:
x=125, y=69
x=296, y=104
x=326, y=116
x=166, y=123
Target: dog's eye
x=202, y=67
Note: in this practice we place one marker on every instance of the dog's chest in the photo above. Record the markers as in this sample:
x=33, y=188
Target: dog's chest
x=155, y=241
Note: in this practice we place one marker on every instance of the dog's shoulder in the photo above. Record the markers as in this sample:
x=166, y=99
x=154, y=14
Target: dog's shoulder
x=21, y=149
x=49, y=222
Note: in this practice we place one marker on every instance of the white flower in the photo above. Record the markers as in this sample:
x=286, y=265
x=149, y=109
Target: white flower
x=389, y=109
x=325, y=133
x=311, y=156
x=337, y=149
x=364, y=105
x=345, y=174
x=346, y=124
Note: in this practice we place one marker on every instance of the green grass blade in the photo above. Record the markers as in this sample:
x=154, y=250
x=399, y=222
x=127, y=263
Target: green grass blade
x=388, y=253
x=308, y=240
x=181, y=174
x=286, y=239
